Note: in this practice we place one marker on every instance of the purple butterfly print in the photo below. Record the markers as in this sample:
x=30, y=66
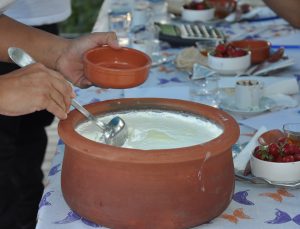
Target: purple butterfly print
x=297, y=77
x=72, y=217
x=60, y=142
x=296, y=219
x=165, y=81
x=241, y=197
x=44, y=201
x=55, y=169
x=77, y=91
x=94, y=100
x=281, y=217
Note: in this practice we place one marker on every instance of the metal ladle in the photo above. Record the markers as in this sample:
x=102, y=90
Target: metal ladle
x=115, y=132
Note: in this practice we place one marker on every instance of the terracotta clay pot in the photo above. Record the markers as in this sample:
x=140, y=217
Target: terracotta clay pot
x=137, y=189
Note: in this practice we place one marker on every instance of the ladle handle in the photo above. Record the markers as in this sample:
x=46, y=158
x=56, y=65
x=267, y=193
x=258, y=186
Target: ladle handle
x=87, y=114
x=14, y=54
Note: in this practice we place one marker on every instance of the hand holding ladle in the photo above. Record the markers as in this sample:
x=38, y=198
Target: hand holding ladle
x=114, y=133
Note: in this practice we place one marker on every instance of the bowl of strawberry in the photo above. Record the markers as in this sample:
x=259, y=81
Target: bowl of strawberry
x=197, y=11
x=277, y=161
x=227, y=59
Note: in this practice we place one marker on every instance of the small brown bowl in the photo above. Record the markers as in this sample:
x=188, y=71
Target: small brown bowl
x=260, y=49
x=116, y=68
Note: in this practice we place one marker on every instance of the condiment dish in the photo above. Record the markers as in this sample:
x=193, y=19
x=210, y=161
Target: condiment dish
x=107, y=67
x=229, y=65
x=260, y=49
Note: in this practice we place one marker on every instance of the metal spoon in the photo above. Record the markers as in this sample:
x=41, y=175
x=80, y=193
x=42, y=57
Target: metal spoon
x=114, y=133
x=261, y=180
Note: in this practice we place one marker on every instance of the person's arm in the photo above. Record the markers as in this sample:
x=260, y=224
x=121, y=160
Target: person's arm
x=288, y=9
x=42, y=46
x=63, y=55
x=34, y=88
x=24, y=91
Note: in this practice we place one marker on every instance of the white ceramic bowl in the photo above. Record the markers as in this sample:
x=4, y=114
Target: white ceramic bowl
x=229, y=65
x=284, y=172
x=197, y=15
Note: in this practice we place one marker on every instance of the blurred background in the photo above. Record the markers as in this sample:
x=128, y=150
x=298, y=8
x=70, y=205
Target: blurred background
x=84, y=14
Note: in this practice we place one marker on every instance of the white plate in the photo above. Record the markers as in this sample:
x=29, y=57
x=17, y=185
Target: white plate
x=269, y=67
x=265, y=104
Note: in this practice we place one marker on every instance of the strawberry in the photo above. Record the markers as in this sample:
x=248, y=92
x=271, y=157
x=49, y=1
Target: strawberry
x=221, y=48
x=200, y=6
x=297, y=157
x=273, y=149
x=239, y=52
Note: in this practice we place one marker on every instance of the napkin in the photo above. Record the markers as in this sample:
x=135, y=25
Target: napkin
x=287, y=86
x=243, y=157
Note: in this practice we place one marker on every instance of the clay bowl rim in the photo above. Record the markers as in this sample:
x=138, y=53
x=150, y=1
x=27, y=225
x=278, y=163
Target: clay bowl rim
x=267, y=44
x=121, y=49
x=158, y=156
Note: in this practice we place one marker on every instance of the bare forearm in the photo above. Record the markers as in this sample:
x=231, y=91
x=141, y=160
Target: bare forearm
x=43, y=46
x=288, y=10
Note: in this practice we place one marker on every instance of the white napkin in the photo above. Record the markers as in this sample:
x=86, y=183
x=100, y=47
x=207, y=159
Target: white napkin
x=243, y=157
x=288, y=86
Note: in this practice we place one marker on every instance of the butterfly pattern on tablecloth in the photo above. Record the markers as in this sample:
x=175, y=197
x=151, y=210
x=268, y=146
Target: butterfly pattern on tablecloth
x=237, y=214
x=283, y=217
x=55, y=169
x=44, y=201
x=241, y=197
x=73, y=217
x=165, y=81
x=278, y=195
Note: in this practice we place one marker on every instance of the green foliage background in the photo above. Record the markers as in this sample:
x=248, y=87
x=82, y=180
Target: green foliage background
x=84, y=15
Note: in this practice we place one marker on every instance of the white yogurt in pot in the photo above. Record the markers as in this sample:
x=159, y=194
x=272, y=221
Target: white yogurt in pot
x=153, y=129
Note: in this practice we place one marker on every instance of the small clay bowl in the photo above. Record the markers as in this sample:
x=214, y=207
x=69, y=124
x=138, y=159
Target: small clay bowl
x=270, y=136
x=116, y=68
x=260, y=49
x=222, y=7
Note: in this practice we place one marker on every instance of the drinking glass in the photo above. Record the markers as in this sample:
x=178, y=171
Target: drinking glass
x=292, y=132
x=206, y=91
x=120, y=20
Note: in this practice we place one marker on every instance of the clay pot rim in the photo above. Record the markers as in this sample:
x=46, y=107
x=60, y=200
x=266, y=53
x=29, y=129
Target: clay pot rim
x=261, y=44
x=122, y=49
x=158, y=156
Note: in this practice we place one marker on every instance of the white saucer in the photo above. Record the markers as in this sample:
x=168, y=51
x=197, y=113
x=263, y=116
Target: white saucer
x=265, y=104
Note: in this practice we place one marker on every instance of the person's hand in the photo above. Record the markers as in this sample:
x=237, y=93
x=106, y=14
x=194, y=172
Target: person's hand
x=34, y=88
x=70, y=62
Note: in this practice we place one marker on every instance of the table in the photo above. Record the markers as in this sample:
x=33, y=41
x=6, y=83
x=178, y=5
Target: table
x=252, y=206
